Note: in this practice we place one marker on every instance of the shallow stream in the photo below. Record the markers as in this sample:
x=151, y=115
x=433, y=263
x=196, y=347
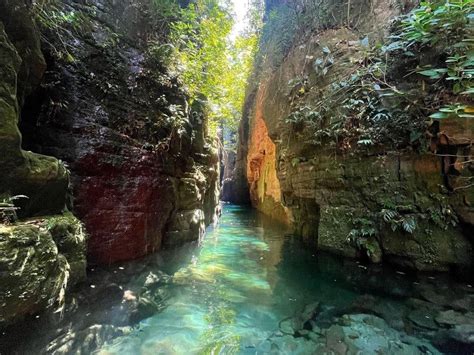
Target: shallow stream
x=250, y=288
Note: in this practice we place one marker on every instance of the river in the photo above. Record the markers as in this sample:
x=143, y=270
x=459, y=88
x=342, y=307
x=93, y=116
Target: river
x=249, y=288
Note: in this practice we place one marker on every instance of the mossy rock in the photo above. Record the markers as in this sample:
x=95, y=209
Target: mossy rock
x=45, y=180
x=70, y=237
x=33, y=272
x=39, y=259
x=24, y=35
x=428, y=248
x=334, y=229
x=10, y=138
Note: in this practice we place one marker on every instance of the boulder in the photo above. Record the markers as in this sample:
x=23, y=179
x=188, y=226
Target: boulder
x=36, y=269
x=87, y=340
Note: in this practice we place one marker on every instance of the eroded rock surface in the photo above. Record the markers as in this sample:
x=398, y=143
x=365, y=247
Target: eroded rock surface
x=144, y=171
x=336, y=191
x=40, y=259
x=43, y=179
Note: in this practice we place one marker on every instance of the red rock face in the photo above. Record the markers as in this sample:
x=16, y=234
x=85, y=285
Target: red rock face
x=124, y=204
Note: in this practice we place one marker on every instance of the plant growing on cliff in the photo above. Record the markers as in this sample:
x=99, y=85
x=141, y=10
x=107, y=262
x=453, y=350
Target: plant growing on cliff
x=54, y=17
x=396, y=220
x=448, y=28
x=375, y=112
x=363, y=228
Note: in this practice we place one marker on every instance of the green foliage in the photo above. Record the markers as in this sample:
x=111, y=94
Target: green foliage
x=353, y=112
x=209, y=63
x=200, y=37
x=438, y=22
x=290, y=20
x=164, y=12
x=363, y=228
x=396, y=220
x=364, y=235
x=279, y=33
x=446, y=26
x=442, y=214
x=53, y=17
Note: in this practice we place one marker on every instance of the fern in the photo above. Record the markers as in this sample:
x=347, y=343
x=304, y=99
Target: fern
x=409, y=224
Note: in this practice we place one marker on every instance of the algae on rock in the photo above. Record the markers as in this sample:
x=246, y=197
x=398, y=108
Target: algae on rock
x=39, y=260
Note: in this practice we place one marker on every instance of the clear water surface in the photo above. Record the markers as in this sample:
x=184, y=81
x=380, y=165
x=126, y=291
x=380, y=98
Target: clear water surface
x=228, y=295
x=232, y=291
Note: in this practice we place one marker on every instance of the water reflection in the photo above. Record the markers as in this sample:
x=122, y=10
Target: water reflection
x=226, y=295
x=246, y=290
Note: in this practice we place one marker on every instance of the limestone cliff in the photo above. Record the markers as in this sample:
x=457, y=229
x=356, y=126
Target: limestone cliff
x=349, y=166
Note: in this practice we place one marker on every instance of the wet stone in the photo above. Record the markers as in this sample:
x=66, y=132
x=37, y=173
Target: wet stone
x=423, y=318
x=464, y=304
x=437, y=297
x=288, y=326
x=459, y=339
x=453, y=318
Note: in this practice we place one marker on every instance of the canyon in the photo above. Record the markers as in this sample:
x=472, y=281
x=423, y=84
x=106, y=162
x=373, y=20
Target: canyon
x=351, y=168
x=326, y=189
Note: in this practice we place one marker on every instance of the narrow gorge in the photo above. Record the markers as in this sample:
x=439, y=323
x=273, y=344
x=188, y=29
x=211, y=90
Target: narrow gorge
x=242, y=177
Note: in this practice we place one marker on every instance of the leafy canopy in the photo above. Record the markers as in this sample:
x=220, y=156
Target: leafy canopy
x=210, y=63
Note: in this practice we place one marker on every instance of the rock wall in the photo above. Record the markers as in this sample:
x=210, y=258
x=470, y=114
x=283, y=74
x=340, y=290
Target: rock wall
x=333, y=192
x=264, y=185
x=42, y=257
x=42, y=178
x=144, y=171
x=88, y=86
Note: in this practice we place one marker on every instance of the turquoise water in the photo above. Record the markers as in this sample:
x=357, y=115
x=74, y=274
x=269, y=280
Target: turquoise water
x=240, y=292
x=231, y=292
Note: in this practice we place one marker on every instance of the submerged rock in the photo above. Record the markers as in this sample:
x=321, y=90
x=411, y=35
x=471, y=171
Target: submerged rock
x=301, y=322
x=453, y=318
x=367, y=334
x=349, y=334
x=85, y=341
x=424, y=318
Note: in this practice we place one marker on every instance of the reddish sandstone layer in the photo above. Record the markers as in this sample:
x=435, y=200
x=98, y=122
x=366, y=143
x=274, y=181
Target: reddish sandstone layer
x=124, y=201
x=265, y=192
